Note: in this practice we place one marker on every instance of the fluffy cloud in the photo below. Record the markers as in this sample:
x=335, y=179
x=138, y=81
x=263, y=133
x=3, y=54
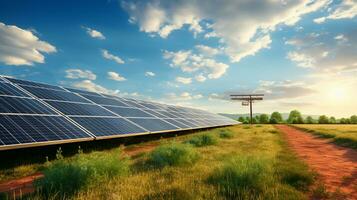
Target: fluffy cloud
x=183, y=80
x=206, y=50
x=115, y=76
x=21, y=47
x=112, y=57
x=242, y=33
x=149, y=74
x=190, y=62
x=184, y=96
x=80, y=74
x=94, y=33
x=346, y=10
x=326, y=53
x=284, y=89
x=91, y=86
x=200, y=78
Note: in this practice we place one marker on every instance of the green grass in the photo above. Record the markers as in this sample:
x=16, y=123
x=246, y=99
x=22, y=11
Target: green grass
x=342, y=135
x=254, y=163
x=226, y=134
x=203, y=140
x=63, y=178
x=173, y=154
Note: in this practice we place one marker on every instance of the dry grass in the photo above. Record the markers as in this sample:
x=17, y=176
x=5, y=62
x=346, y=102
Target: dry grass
x=341, y=134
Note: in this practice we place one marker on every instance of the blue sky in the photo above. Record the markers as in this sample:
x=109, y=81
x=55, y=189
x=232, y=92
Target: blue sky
x=301, y=54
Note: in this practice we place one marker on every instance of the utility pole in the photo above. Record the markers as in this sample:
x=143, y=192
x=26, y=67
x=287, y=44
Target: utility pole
x=247, y=100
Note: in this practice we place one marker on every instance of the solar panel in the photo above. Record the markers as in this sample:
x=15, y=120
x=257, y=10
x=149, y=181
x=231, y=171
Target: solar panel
x=33, y=114
x=108, y=126
x=30, y=83
x=50, y=94
x=69, y=108
x=154, y=125
x=17, y=129
x=8, y=89
x=128, y=112
x=23, y=105
x=104, y=100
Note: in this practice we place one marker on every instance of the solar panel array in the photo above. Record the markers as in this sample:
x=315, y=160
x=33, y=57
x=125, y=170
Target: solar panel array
x=34, y=114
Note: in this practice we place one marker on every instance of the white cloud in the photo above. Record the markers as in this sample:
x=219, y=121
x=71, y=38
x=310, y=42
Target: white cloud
x=243, y=27
x=115, y=76
x=284, y=89
x=301, y=59
x=150, y=74
x=200, y=78
x=327, y=53
x=94, y=33
x=190, y=62
x=80, y=74
x=206, y=50
x=21, y=47
x=90, y=86
x=183, y=80
x=347, y=9
x=112, y=57
x=184, y=96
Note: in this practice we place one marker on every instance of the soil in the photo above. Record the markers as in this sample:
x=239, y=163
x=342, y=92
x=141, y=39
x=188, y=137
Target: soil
x=335, y=165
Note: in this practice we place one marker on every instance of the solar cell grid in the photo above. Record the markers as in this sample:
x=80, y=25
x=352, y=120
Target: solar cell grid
x=128, y=112
x=153, y=124
x=30, y=83
x=23, y=105
x=68, y=108
x=105, y=100
x=8, y=89
x=50, y=94
x=107, y=126
x=82, y=92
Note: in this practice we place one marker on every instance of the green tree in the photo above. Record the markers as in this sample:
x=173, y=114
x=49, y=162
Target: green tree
x=241, y=119
x=255, y=120
x=276, y=118
x=264, y=119
x=309, y=120
x=332, y=120
x=342, y=121
x=353, y=119
x=323, y=119
x=295, y=117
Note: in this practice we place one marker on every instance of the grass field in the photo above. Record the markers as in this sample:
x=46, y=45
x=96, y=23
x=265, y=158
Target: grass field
x=239, y=162
x=343, y=135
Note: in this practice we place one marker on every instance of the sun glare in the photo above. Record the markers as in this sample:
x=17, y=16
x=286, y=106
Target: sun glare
x=337, y=94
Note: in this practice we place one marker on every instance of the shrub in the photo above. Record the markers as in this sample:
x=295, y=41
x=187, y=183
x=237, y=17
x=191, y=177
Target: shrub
x=242, y=177
x=323, y=119
x=225, y=134
x=309, y=120
x=203, y=140
x=64, y=178
x=276, y=118
x=263, y=119
x=173, y=154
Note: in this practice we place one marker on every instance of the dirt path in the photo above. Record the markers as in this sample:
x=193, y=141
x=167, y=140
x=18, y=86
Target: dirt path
x=24, y=185
x=337, y=166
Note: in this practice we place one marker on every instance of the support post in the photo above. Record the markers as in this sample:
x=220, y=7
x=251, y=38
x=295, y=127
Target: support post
x=251, y=109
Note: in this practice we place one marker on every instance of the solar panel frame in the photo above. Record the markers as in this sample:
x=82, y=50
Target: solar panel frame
x=173, y=118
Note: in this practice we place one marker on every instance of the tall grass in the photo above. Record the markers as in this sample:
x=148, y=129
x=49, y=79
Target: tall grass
x=243, y=178
x=226, y=134
x=173, y=154
x=203, y=140
x=63, y=178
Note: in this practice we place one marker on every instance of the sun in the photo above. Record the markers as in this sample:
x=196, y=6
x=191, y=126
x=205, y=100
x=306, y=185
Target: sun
x=337, y=94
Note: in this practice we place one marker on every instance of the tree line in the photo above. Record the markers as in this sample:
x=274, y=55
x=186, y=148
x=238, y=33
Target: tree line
x=295, y=117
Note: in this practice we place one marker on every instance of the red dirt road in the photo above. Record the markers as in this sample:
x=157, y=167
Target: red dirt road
x=337, y=166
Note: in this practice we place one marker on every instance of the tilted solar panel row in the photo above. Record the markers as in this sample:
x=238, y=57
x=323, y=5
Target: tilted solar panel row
x=33, y=114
